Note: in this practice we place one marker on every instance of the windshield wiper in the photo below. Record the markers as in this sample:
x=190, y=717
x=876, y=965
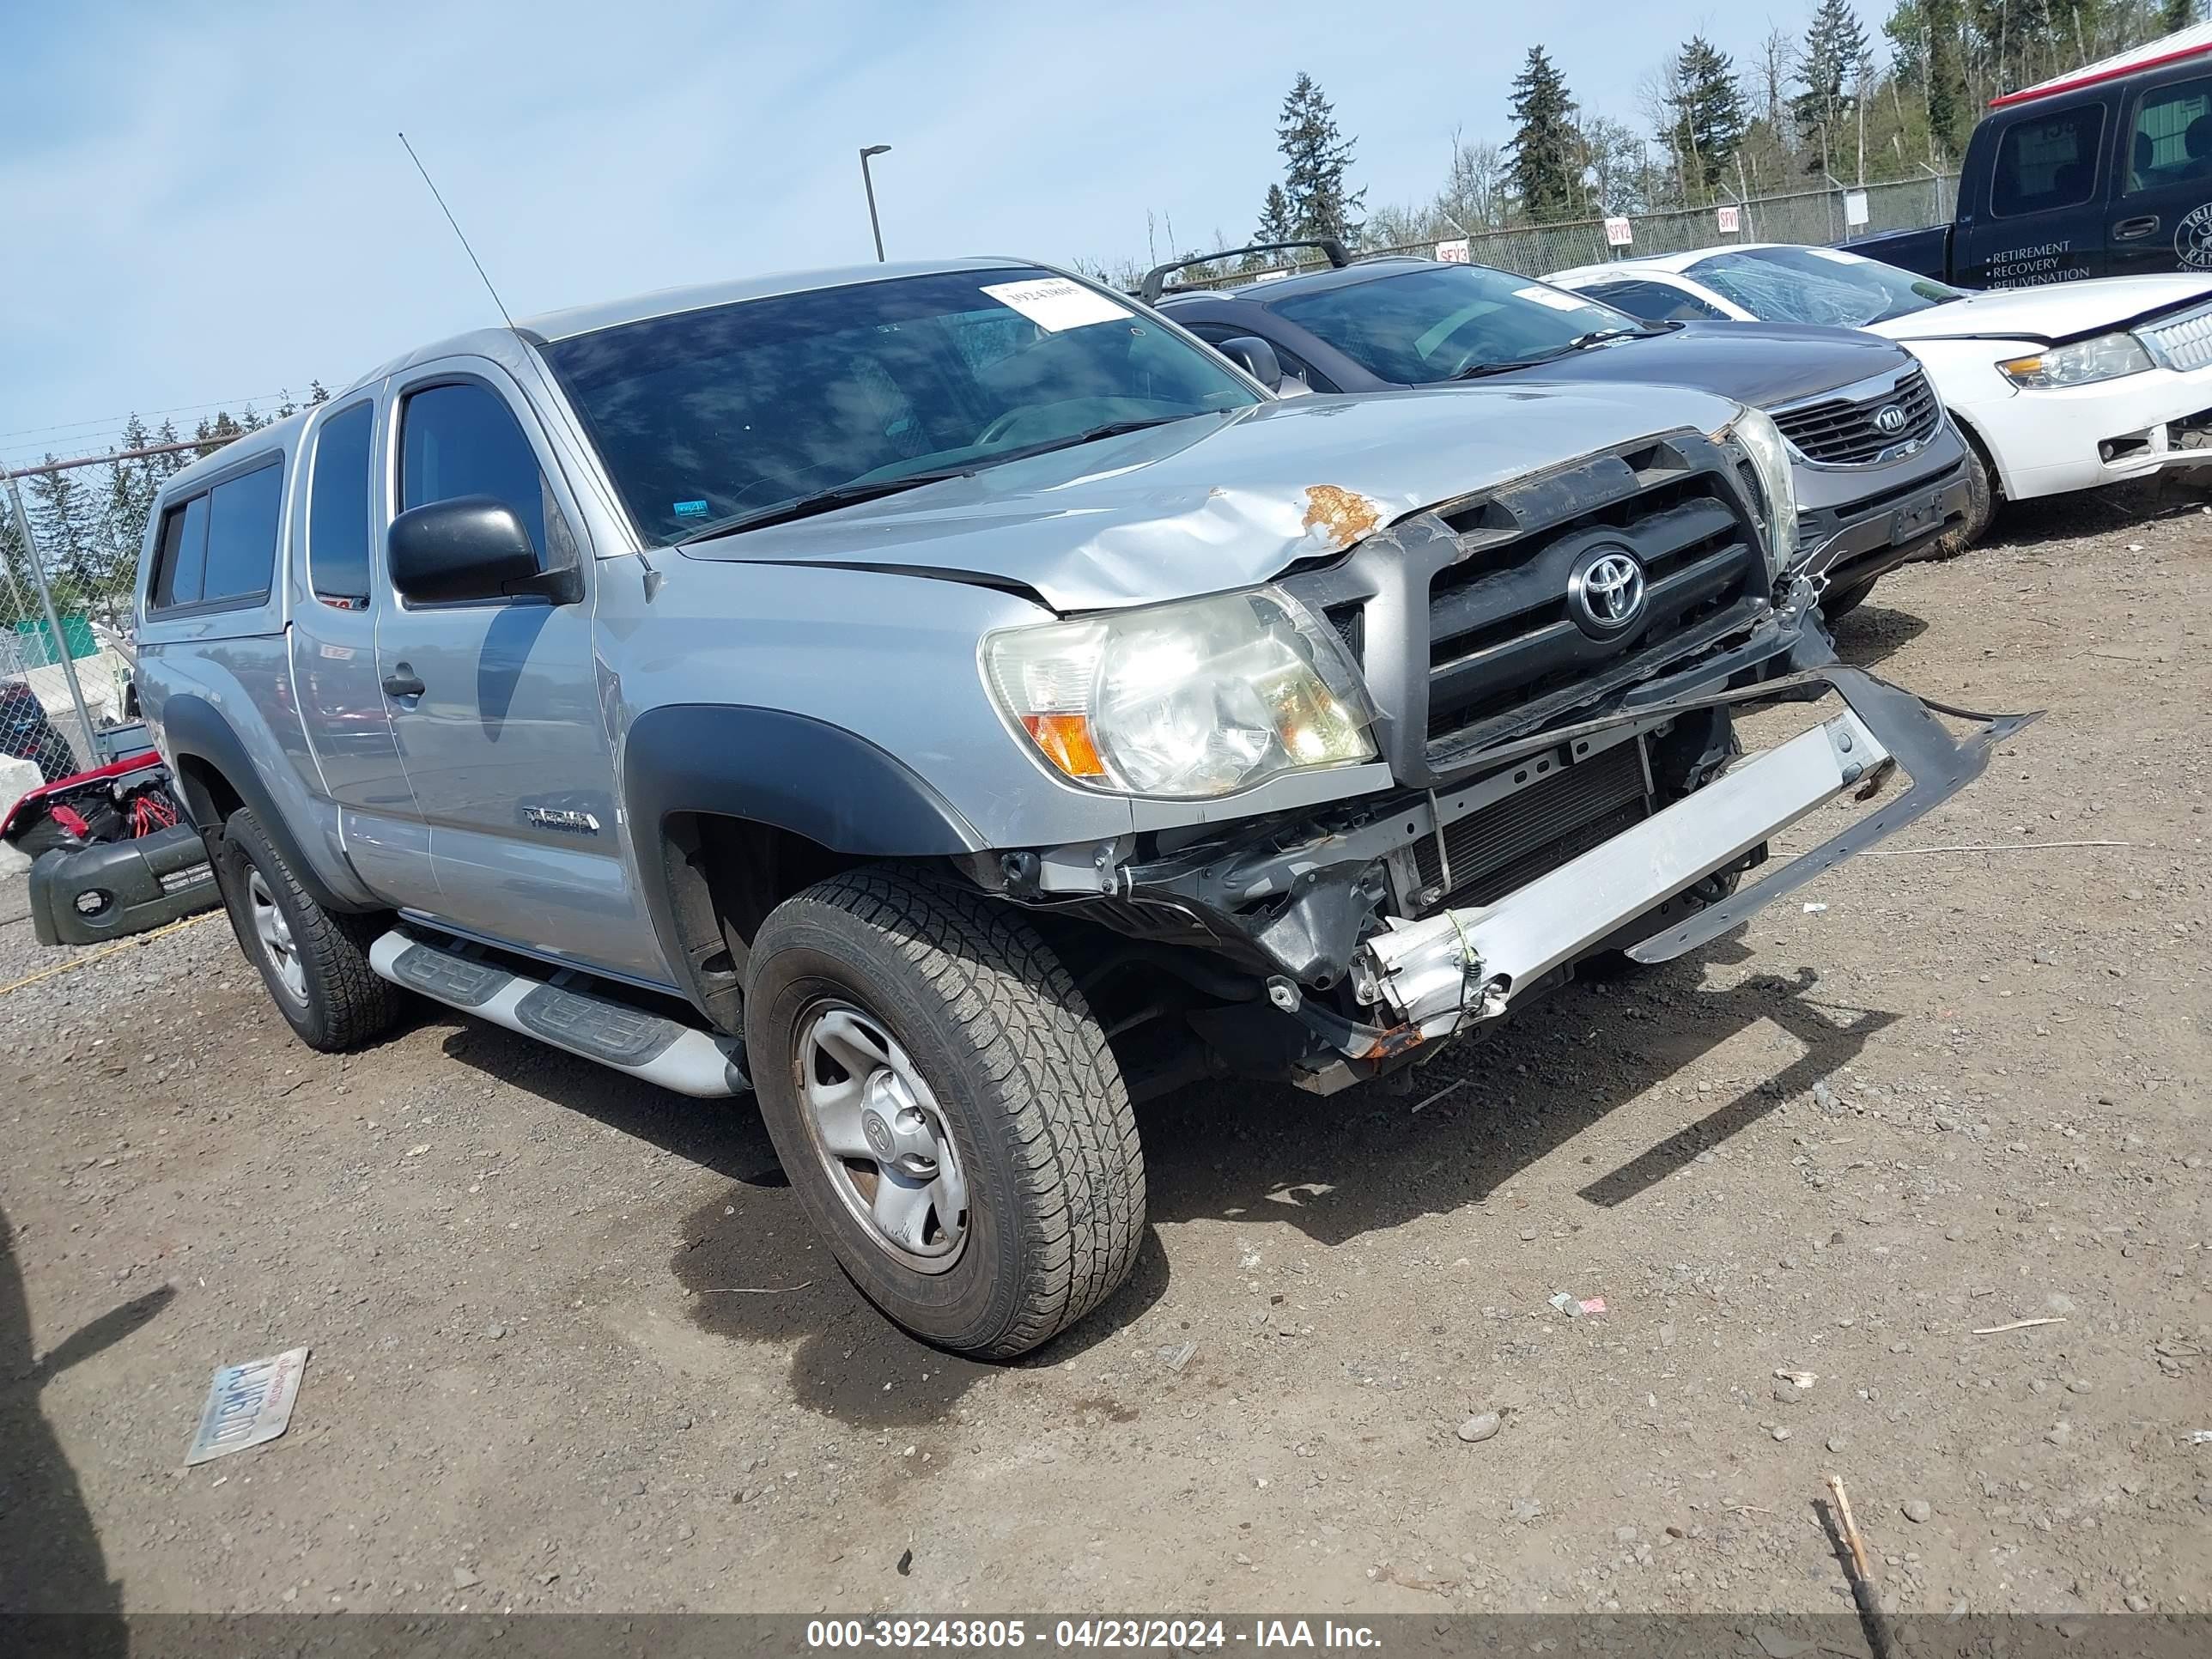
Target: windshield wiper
x=1580, y=342
x=1089, y=434
x=1599, y=336
x=822, y=500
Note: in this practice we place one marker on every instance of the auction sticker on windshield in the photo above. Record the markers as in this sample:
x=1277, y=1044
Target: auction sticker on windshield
x=1053, y=303
x=1553, y=298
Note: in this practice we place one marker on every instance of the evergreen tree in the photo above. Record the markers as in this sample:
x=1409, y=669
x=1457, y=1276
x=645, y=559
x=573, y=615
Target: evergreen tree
x=2178, y=14
x=64, y=519
x=1546, y=145
x=131, y=489
x=1315, y=156
x=1706, y=107
x=1831, y=66
x=1274, y=217
x=1950, y=118
x=175, y=461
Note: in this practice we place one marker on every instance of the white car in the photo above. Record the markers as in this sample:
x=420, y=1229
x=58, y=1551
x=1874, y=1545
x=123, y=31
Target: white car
x=2057, y=388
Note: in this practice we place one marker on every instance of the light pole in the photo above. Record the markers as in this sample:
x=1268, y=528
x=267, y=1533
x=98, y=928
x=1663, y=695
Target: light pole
x=869, y=184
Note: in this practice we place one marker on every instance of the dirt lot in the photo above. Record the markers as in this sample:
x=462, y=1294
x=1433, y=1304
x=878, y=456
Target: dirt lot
x=573, y=1347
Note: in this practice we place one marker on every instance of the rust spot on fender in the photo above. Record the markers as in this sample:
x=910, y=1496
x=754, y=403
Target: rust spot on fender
x=1339, y=515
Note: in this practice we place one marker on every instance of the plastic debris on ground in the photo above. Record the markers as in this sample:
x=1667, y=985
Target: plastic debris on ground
x=1576, y=1306
x=1815, y=909
x=248, y=1405
x=1802, y=1379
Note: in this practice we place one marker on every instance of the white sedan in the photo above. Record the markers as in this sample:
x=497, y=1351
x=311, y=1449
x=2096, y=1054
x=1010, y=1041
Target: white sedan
x=2061, y=388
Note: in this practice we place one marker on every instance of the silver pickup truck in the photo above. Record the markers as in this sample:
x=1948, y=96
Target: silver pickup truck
x=951, y=702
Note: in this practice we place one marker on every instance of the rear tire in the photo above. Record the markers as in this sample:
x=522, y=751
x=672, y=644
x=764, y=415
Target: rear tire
x=314, y=962
x=946, y=1107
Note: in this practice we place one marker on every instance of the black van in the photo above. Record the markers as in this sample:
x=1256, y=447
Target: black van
x=2104, y=172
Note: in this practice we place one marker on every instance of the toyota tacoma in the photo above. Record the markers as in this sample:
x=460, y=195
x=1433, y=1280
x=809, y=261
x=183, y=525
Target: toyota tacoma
x=951, y=702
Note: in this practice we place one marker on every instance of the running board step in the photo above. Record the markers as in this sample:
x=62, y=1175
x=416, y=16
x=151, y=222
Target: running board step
x=645, y=1045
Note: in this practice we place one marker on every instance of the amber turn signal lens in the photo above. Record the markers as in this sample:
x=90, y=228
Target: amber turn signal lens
x=1066, y=740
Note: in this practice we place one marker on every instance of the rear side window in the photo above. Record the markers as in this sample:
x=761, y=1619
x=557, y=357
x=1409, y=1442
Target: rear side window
x=181, y=567
x=2173, y=140
x=337, y=510
x=221, y=547
x=2047, y=162
x=461, y=440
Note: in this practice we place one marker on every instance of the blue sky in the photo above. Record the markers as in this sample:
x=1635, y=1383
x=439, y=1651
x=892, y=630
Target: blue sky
x=208, y=203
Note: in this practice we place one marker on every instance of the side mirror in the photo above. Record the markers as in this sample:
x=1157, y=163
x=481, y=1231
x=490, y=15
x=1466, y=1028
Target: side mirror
x=1256, y=358
x=471, y=547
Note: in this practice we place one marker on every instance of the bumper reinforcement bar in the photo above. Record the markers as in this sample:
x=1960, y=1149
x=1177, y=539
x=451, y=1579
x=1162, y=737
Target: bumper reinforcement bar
x=1462, y=966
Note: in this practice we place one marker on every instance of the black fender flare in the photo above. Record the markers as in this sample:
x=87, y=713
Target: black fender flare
x=778, y=770
x=193, y=729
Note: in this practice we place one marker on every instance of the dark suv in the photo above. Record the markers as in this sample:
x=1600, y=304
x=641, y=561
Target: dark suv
x=1879, y=466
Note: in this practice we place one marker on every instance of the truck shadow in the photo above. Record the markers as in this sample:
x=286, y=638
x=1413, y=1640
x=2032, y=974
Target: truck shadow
x=1336, y=1169
x=1873, y=633
x=50, y=1560
x=755, y=1270
x=1362, y=1163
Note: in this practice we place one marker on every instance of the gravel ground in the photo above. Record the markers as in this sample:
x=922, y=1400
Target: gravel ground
x=574, y=1348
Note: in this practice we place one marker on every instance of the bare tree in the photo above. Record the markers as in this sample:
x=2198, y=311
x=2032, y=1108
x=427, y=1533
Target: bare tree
x=1475, y=192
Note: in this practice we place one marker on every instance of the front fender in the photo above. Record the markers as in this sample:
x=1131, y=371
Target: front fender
x=777, y=769
x=788, y=771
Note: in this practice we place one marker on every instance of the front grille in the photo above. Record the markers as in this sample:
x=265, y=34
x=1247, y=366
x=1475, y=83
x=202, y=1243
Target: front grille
x=1503, y=638
x=1842, y=431
x=1507, y=845
x=2182, y=343
x=1473, y=622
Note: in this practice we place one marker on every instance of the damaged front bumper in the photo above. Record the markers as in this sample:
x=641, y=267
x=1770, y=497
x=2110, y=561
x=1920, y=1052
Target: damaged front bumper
x=1429, y=979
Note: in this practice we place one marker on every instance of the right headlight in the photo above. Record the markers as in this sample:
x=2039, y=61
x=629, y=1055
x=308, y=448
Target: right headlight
x=1187, y=701
x=2107, y=357
x=1768, y=452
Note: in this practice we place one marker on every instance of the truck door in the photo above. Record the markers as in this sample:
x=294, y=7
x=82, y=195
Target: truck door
x=2161, y=209
x=496, y=703
x=338, y=593
x=2038, y=215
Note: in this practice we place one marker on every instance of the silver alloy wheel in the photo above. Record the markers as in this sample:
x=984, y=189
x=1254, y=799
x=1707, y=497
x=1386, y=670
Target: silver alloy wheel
x=881, y=1136
x=275, y=934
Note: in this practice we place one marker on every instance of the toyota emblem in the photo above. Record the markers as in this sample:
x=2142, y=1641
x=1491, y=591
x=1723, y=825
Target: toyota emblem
x=1890, y=420
x=1607, y=593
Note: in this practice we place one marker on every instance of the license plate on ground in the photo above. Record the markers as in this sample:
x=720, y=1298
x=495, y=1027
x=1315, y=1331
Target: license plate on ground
x=248, y=1405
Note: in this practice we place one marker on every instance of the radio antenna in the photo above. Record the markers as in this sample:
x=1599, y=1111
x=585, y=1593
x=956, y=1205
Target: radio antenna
x=458, y=232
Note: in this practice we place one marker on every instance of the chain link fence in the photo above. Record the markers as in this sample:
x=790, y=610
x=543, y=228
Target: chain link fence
x=1822, y=216
x=40, y=718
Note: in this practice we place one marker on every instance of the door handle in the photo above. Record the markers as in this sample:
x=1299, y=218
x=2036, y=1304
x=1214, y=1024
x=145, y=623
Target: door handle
x=403, y=681
x=2129, y=230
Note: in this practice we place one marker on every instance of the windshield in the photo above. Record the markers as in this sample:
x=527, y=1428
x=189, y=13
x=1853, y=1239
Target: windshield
x=1440, y=321
x=1818, y=285
x=742, y=411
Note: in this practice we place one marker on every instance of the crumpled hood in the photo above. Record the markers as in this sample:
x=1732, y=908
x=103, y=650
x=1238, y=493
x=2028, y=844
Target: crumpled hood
x=1760, y=363
x=2052, y=314
x=1221, y=501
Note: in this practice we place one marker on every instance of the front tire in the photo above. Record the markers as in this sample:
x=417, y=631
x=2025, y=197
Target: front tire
x=314, y=962
x=1981, y=506
x=946, y=1107
x=1842, y=601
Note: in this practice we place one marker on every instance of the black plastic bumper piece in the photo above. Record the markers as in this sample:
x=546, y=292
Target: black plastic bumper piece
x=119, y=888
